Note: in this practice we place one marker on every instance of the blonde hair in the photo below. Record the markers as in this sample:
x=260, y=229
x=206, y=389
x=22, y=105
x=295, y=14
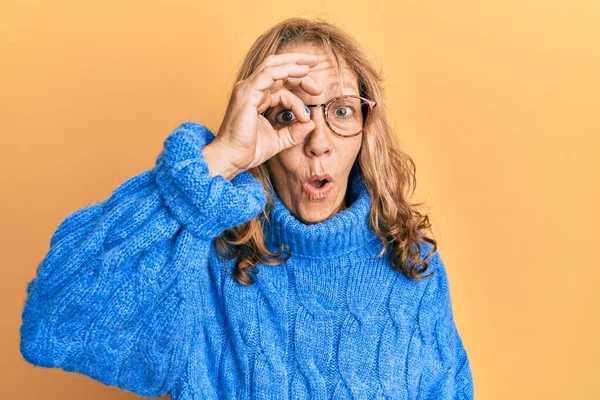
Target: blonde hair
x=392, y=217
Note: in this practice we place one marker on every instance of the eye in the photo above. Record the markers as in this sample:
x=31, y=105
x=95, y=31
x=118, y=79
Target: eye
x=344, y=111
x=285, y=117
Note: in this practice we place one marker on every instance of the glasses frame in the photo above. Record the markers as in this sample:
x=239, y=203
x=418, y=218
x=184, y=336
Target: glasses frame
x=326, y=106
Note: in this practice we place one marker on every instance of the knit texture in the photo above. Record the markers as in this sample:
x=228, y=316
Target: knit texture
x=133, y=294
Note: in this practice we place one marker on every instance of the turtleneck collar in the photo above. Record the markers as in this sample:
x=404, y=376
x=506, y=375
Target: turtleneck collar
x=344, y=231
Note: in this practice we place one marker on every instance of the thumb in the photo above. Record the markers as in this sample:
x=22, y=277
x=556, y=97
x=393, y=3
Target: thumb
x=295, y=134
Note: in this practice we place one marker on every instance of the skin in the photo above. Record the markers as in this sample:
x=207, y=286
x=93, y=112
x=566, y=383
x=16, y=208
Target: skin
x=296, y=152
x=321, y=152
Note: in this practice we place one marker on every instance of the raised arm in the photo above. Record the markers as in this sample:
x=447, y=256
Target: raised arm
x=116, y=296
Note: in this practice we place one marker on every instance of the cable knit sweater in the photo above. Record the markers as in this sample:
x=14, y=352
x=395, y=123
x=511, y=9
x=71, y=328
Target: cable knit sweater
x=133, y=294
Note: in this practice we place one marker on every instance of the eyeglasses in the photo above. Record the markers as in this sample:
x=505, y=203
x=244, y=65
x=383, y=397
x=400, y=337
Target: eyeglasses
x=346, y=116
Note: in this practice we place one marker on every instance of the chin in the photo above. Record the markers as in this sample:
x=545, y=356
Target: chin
x=320, y=213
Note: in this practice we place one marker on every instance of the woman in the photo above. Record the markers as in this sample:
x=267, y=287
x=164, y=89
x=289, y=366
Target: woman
x=277, y=259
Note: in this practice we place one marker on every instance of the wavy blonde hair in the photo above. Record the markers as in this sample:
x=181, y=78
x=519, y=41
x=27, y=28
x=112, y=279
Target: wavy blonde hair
x=395, y=220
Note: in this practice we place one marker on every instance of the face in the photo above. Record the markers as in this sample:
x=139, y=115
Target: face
x=321, y=153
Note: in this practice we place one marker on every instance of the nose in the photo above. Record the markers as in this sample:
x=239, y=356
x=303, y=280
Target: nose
x=318, y=142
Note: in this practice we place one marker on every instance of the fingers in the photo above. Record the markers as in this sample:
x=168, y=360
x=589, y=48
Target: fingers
x=266, y=78
x=292, y=68
x=289, y=101
x=292, y=135
x=286, y=58
x=306, y=83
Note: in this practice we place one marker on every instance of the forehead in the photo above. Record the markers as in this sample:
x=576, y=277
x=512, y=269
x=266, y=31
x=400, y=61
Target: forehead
x=325, y=73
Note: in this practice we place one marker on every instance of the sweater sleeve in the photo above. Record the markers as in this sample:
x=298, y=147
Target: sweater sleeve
x=447, y=372
x=117, y=296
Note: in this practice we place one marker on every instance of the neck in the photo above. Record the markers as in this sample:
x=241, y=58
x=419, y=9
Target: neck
x=344, y=204
x=345, y=230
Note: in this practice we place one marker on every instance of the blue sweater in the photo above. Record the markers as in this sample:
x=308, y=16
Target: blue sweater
x=133, y=294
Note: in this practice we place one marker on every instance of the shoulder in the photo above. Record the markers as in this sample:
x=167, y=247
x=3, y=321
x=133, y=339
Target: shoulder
x=435, y=307
x=437, y=281
x=409, y=298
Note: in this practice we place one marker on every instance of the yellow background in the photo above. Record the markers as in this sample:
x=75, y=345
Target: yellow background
x=496, y=101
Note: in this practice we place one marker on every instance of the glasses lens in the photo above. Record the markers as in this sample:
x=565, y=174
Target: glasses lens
x=348, y=115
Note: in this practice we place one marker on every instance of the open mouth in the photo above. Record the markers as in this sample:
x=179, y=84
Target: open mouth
x=318, y=183
x=318, y=186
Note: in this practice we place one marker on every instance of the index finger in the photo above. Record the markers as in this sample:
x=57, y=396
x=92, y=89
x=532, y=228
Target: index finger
x=306, y=83
x=285, y=58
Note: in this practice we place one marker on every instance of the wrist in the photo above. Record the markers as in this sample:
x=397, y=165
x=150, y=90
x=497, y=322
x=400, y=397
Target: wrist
x=217, y=161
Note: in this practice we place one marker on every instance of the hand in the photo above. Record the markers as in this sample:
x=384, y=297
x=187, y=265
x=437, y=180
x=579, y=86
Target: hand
x=245, y=138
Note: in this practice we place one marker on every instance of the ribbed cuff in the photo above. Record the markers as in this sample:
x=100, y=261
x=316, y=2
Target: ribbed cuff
x=206, y=205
